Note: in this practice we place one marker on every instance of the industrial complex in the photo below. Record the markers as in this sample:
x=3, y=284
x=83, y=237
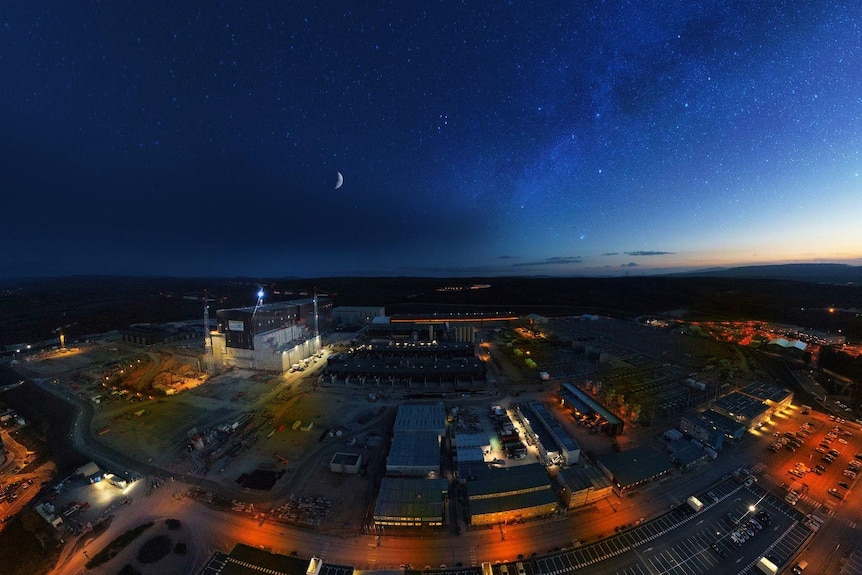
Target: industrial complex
x=352, y=421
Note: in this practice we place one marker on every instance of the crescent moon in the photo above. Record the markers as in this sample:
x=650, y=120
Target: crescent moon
x=340, y=180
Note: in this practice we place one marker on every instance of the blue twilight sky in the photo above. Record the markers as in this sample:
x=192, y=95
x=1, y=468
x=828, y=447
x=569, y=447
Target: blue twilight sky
x=474, y=138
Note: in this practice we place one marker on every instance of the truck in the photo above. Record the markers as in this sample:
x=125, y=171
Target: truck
x=766, y=566
x=694, y=503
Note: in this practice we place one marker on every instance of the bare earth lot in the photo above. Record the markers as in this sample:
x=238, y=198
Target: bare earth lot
x=158, y=430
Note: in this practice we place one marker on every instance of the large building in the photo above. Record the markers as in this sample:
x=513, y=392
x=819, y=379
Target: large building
x=711, y=427
x=772, y=395
x=415, y=454
x=248, y=560
x=362, y=315
x=409, y=502
x=270, y=337
x=510, y=494
x=431, y=365
x=553, y=438
x=579, y=402
x=153, y=334
x=417, y=433
x=745, y=409
x=470, y=447
x=583, y=485
x=634, y=467
x=414, y=417
x=412, y=494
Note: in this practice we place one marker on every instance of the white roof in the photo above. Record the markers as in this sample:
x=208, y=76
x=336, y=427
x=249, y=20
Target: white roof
x=788, y=343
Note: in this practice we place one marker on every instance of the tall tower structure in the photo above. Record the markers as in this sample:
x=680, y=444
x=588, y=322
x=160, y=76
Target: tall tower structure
x=209, y=360
x=208, y=340
x=316, y=319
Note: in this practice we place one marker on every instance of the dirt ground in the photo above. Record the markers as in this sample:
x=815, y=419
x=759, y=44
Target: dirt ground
x=292, y=424
x=158, y=430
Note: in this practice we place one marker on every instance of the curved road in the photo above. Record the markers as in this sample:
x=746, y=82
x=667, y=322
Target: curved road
x=216, y=530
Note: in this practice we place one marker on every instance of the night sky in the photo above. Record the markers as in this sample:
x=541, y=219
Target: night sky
x=477, y=138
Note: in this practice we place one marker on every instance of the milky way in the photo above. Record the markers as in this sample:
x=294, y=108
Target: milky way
x=474, y=139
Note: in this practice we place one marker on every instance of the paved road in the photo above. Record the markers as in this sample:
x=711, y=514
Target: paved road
x=213, y=530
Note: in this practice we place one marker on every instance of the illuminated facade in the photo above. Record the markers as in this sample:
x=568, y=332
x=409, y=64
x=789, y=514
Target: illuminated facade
x=511, y=494
x=411, y=502
x=582, y=485
x=271, y=337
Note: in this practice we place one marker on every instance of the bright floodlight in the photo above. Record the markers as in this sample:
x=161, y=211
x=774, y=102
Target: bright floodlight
x=751, y=508
x=260, y=293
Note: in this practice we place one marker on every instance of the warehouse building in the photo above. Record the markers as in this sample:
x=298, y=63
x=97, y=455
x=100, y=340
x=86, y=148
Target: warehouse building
x=687, y=453
x=421, y=417
x=409, y=502
x=393, y=329
x=750, y=411
x=153, y=334
x=510, y=494
x=536, y=434
x=577, y=401
x=409, y=349
x=634, y=467
x=414, y=454
x=468, y=447
x=468, y=440
x=561, y=442
x=418, y=430
x=711, y=428
x=420, y=372
x=582, y=485
x=772, y=395
x=356, y=315
x=247, y=560
x=408, y=361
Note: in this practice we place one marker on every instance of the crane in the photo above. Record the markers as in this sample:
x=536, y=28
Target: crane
x=259, y=301
x=208, y=337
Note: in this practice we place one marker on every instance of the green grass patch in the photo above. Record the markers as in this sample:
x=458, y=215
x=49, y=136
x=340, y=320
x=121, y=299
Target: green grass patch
x=114, y=547
x=155, y=549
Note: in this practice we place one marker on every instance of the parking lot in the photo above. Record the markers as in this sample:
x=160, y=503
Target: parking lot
x=816, y=463
x=704, y=545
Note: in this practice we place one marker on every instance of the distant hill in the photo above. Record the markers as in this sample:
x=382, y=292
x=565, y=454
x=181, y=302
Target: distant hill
x=817, y=273
x=34, y=310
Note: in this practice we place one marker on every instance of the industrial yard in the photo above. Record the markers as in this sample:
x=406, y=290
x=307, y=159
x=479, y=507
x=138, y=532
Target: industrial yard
x=252, y=440
x=547, y=420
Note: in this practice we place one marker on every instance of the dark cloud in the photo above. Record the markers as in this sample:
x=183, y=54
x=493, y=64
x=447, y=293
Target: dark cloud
x=559, y=260
x=647, y=253
x=630, y=265
x=611, y=254
x=508, y=257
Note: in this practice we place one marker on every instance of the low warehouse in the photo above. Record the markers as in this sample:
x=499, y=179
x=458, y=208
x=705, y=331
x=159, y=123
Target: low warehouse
x=348, y=463
x=583, y=485
x=411, y=502
x=502, y=495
